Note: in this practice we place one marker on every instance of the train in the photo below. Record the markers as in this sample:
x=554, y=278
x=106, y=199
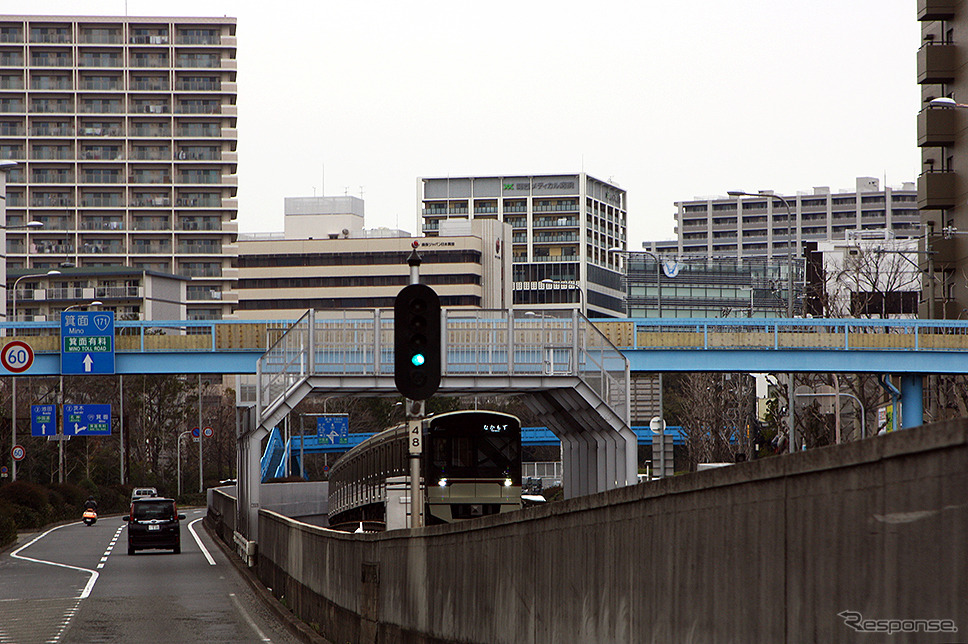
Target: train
x=470, y=466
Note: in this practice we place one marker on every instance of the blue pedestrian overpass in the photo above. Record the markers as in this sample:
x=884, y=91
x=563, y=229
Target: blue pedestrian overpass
x=573, y=371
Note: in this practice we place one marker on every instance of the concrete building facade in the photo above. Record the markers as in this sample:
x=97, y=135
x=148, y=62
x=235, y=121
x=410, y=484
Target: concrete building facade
x=757, y=226
x=564, y=227
x=282, y=276
x=125, y=133
x=943, y=183
x=131, y=293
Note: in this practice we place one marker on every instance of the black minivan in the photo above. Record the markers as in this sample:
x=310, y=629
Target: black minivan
x=153, y=524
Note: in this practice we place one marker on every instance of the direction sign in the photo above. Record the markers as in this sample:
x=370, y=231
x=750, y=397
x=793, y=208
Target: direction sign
x=18, y=452
x=87, y=420
x=16, y=356
x=87, y=342
x=333, y=429
x=43, y=420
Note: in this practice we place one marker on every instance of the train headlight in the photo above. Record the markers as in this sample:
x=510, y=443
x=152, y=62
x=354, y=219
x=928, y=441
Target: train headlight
x=442, y=482
x=507, y=482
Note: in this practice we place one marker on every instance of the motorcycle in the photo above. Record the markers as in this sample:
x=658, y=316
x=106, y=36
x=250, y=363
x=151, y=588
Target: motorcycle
x=89, y=517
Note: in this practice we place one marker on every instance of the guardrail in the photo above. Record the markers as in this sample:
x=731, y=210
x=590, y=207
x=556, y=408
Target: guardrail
x=785, y=333
x=160, y=335
x=545, y=329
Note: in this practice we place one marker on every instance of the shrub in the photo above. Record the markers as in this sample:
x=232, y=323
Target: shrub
x=28, y=495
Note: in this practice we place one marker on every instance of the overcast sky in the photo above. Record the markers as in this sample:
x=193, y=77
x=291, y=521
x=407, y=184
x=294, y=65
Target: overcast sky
x=668, y=99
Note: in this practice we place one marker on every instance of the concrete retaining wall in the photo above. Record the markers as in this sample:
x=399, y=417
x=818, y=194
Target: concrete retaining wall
x=765, y=551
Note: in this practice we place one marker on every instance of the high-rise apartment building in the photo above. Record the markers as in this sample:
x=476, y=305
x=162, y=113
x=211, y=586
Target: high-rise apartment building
x=564, y=229
x=943, y=183
x=757, y=226
x=125, y=133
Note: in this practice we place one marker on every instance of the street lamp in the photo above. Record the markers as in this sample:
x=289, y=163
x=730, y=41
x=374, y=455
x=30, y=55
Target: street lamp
x=571, y=286
x=88, y=305
x=790, y=234
x=13, y=382
x=790, y=238
x=944, y=101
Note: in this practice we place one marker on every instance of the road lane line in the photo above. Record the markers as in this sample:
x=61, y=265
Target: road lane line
x=90, y=582
x=198, y=540
x=238, y=605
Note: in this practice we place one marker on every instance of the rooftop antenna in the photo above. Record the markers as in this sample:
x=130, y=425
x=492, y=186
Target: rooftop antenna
x=361, y=193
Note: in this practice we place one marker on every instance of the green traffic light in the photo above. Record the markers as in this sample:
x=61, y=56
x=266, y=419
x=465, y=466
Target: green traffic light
x=418, y=359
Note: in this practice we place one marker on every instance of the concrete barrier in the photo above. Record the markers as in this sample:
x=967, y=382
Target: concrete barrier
x=785, y=549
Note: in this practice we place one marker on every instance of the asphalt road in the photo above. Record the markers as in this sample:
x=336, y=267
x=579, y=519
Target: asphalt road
x=76, y=583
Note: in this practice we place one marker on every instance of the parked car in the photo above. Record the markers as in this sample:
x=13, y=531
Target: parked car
x=141, y=492
x=153, y=523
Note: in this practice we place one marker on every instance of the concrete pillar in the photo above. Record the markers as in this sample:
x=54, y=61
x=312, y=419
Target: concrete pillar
x=912, y=406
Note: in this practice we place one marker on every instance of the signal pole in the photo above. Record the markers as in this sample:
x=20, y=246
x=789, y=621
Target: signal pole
x=416, y=323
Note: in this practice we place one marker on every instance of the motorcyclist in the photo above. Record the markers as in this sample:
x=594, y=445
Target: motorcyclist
x=90, y=504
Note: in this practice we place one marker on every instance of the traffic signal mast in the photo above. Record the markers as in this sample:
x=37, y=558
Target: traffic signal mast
x=416, y=367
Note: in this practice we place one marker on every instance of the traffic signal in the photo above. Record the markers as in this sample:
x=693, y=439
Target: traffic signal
x=416, y=341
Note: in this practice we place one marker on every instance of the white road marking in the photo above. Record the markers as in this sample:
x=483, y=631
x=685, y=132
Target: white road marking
x=90, y=582
x=107, y=552
x=211, y=562
x=259, y=633
x=69, y=615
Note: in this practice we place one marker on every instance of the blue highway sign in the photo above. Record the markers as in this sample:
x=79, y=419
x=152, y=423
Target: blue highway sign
x=43, y=420
x=87, y=420
x=333, y=429
x=87, y=342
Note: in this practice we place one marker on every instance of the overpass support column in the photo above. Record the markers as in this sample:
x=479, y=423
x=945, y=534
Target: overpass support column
x=912, y=405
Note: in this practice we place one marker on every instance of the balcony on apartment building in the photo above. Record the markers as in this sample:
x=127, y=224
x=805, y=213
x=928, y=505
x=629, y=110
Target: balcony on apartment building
x=937, y=126
x=937, y=190
x=937, y=9
x=937, y=62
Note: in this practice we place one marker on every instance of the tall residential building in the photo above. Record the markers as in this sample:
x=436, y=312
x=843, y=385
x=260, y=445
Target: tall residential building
x=564, y=228
x=757, y=226
x=124, y=128
x=943, y=183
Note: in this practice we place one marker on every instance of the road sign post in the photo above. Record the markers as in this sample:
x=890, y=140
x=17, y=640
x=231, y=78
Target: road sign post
x=16, y=356
x=87, y=420
x=87, y=342
x=43, y=420
x=333, y=429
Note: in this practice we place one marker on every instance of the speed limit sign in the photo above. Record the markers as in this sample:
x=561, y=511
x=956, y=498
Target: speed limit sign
x=17, y=356
x=18, y=452
x=208, y=432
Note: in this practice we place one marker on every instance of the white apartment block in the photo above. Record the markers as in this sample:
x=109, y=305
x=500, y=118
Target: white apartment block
x=327, y=261
x=564, y=230
x=757, y=226
x=131, y=293
x=125, y=133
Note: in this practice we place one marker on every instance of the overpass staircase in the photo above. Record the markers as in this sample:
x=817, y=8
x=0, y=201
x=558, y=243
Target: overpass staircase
x=567, y=371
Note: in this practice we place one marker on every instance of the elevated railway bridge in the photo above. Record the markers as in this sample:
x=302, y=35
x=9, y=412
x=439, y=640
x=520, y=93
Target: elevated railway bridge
x=574, y=373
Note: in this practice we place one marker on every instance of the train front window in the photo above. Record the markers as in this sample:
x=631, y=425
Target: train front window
x=480, y=456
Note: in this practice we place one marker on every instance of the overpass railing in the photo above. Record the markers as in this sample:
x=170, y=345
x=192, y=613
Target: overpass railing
x=160, y=335
x=786, y=333
x=473, y=343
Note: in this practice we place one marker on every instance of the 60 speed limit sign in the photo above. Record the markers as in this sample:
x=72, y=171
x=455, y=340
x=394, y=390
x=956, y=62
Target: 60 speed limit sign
x=17, y=356
x=18, y=453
